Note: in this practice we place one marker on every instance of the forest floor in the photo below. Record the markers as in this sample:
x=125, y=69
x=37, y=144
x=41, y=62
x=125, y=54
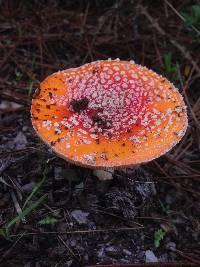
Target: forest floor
x=53, y=213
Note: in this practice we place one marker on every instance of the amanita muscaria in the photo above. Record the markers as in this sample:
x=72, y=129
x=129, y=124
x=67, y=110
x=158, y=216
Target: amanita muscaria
x=109, y=113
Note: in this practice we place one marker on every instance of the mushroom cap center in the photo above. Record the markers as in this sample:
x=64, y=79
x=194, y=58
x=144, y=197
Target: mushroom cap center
x=108, y=103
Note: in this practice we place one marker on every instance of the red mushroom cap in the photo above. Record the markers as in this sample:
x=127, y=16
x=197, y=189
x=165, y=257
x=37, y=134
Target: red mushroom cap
x=109, y=113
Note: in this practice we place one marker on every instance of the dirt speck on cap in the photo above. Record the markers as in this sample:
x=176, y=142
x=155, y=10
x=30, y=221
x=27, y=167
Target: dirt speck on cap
x=79, y=105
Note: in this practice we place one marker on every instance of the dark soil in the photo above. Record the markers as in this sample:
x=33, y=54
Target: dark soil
x=81, y=221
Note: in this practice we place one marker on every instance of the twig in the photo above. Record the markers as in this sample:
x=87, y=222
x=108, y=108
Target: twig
x=181, y=17
x=153, y=264
x=7, y=253
x=5, y=165
x=17, y=206
x=68, y=248
x=14, y=97
x=186, y=256
x=193, y=176
x=81, y=231
x=179, y=47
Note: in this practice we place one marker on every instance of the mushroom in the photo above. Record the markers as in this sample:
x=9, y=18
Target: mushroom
x=109, y=113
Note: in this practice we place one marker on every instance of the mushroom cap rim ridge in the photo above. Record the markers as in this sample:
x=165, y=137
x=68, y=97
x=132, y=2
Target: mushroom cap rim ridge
x=78, y=163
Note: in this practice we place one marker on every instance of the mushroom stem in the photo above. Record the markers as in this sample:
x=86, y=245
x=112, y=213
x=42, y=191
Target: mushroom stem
x=107, y=173
x=104, y=174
